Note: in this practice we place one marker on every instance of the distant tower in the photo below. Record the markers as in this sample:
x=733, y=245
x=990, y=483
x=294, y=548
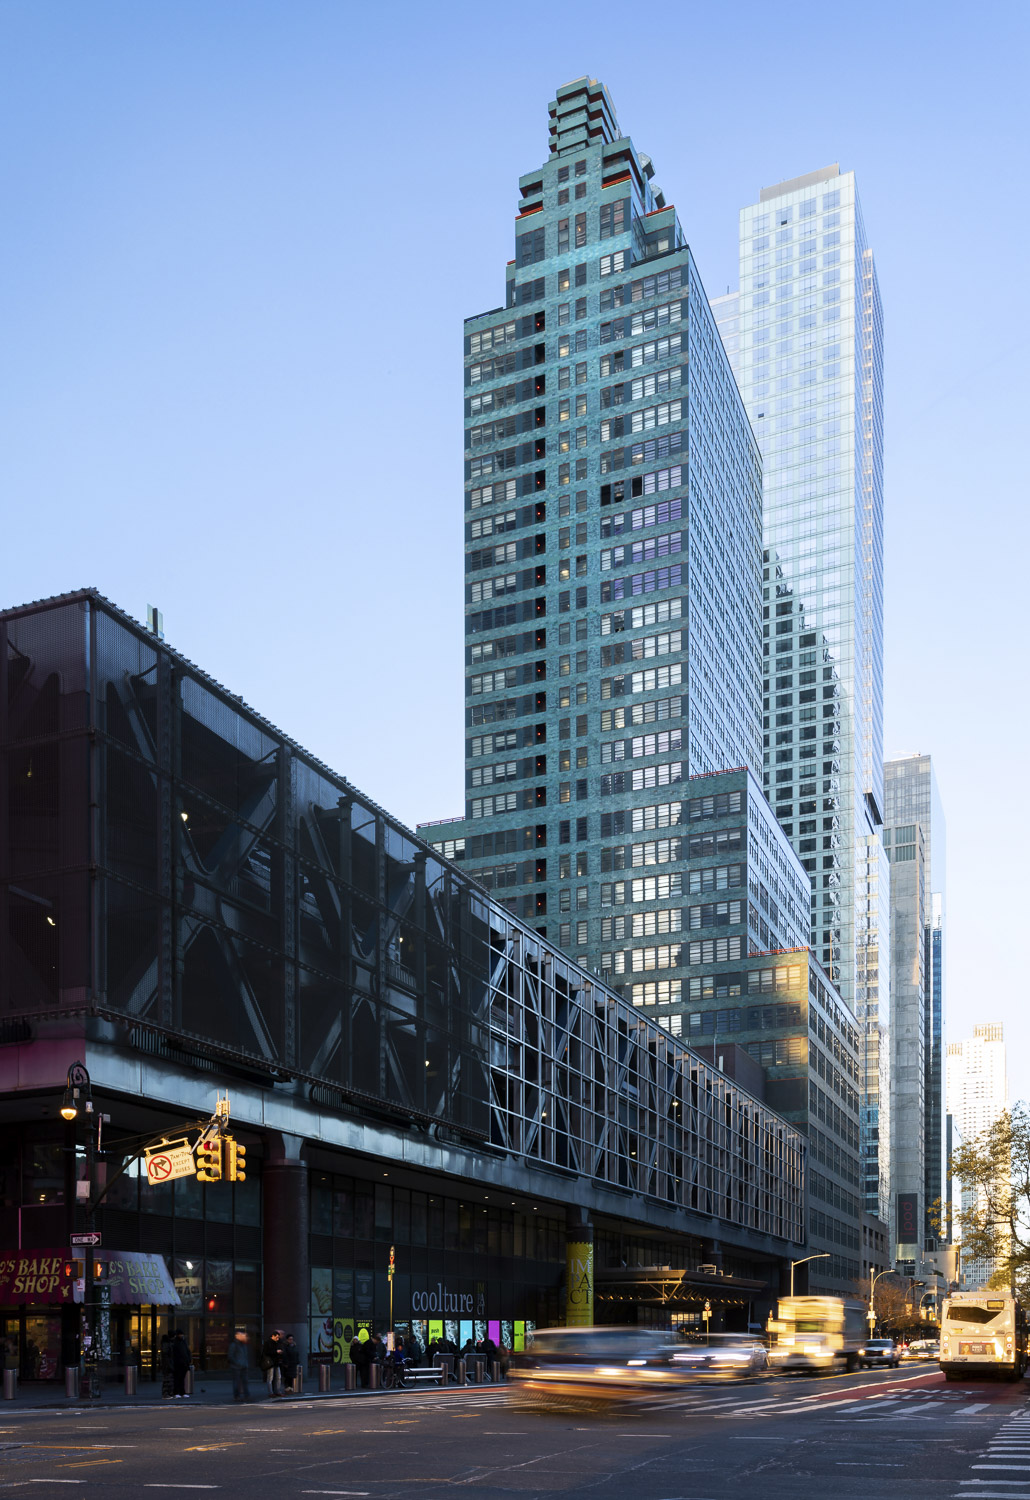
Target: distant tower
x=914, y=836
x=977, y=1093
x=805, y=336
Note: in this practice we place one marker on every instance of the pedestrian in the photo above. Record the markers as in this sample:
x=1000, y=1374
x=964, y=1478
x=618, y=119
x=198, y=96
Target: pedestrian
x=239, y=1359
x=182, y=1363
x=271, y=1362
x=164, y=1359
x=289, y=1363
x=504, y=1355
x=412, y=1352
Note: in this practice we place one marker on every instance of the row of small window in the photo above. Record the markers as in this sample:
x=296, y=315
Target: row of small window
x=642, y=778
x=671, y=919
x=666, y=544
x=613, y=219
x=647, y=681
x=643, y=289
x=654, y=383
x=653, y=351
x=661, y=612
x=673, y=955
x=652, y=711
x=655, y=580
x=644, y=420
x=641, y=746
x=648, y=318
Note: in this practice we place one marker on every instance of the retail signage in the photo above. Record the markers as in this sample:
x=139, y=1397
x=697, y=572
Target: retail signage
x=47, y=1276
x=91, y=1237
x=166, y=1163
x=442, y=1301
x=908, y=1219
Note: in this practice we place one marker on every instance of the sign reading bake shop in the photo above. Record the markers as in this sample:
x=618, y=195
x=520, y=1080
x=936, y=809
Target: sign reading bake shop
x=49, y=1276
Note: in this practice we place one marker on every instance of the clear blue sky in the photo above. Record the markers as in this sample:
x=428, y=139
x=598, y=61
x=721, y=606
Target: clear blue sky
x=239, y=242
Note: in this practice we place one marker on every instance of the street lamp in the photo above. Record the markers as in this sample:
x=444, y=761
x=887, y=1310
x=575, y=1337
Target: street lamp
x=872, y=1288
x=823, y=1255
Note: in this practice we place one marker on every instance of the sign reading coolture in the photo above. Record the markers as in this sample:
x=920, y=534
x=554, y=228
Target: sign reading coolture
x=442, y=1301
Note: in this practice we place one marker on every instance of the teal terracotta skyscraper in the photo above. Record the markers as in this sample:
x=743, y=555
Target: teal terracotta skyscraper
x=613, y=553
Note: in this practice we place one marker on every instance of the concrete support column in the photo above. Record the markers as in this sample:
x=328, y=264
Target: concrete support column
x=286, y=1273
x=579, y=1269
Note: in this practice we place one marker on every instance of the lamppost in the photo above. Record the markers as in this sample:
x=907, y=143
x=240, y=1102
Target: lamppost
x=887, y=1270
x=823, y=1255
x=78, y=1093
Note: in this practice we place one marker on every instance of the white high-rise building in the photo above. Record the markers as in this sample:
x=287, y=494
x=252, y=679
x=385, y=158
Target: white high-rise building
x=977, y=1093
x=804, y=334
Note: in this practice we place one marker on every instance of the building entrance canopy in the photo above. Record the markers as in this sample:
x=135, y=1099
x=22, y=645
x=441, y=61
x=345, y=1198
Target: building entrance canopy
x=667, y=1287
x=130, y=1276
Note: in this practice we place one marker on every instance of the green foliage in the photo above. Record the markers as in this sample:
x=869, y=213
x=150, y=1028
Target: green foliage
x=993, y=1218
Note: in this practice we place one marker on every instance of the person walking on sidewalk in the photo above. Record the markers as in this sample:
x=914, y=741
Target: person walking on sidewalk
x=271, y=1362
x=164, y=1358
x=289, y=1362
x=239, y=1359
x=182, y=1363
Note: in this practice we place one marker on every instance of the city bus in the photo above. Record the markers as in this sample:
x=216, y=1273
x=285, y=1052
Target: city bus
x=983, y=1334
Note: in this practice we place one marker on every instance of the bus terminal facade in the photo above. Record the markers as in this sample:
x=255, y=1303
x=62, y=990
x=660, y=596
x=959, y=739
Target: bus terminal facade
x=192, y=905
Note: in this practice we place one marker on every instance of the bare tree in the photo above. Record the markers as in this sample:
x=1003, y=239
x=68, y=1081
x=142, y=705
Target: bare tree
x=895, y=1301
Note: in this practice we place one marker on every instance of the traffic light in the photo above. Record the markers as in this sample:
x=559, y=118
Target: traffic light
x=209, y=1161
x=235, y=1160
x=73, y=1270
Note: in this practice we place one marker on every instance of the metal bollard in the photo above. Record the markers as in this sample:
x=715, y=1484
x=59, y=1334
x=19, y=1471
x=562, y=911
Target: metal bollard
x=350, y=1377
x=10, y=1384
x=131, y=1378
x=459, y=1370
x=325, y=1375
x=189, y=1382
x=374, y=1374
x=495, y=1371
x=298, y=1381
x=71, y=1382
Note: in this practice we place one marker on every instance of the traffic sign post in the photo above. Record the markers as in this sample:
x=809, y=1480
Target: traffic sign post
x=166, y=1163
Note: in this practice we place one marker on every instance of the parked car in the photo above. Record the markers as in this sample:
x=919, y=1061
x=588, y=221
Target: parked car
x=723, y=1355
x=880, y=1352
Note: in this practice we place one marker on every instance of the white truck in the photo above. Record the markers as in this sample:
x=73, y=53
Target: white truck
x=817, y=1333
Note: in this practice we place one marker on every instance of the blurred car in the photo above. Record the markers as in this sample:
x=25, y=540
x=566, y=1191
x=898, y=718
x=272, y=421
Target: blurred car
x=879, y=1352
x=723, y=1355
x=595, y=1367
x=921, y=1349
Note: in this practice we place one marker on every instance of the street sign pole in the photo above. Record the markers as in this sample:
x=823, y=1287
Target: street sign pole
x=389, y=1275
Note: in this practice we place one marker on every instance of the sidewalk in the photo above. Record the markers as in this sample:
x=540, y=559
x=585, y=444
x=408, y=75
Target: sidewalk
x=211, y=1390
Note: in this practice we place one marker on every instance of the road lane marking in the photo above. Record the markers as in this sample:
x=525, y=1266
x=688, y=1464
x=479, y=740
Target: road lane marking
x=90, y=1463
x=1019, y=1468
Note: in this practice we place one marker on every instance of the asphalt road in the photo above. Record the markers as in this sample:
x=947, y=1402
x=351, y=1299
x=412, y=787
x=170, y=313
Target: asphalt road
x=884, y=1433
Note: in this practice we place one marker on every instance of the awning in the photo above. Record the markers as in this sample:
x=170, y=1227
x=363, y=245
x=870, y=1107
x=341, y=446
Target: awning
x=670, y=1287
x=131, y=1277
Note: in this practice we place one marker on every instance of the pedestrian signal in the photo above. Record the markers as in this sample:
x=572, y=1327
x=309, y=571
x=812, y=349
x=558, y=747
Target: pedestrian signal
x=209, y=1161
x=235, y=1160
x=73, y=1270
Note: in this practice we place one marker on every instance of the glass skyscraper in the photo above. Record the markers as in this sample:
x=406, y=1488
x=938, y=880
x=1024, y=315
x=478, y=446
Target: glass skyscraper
x=804, y=334
x=613, y=526
x=914, y=834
